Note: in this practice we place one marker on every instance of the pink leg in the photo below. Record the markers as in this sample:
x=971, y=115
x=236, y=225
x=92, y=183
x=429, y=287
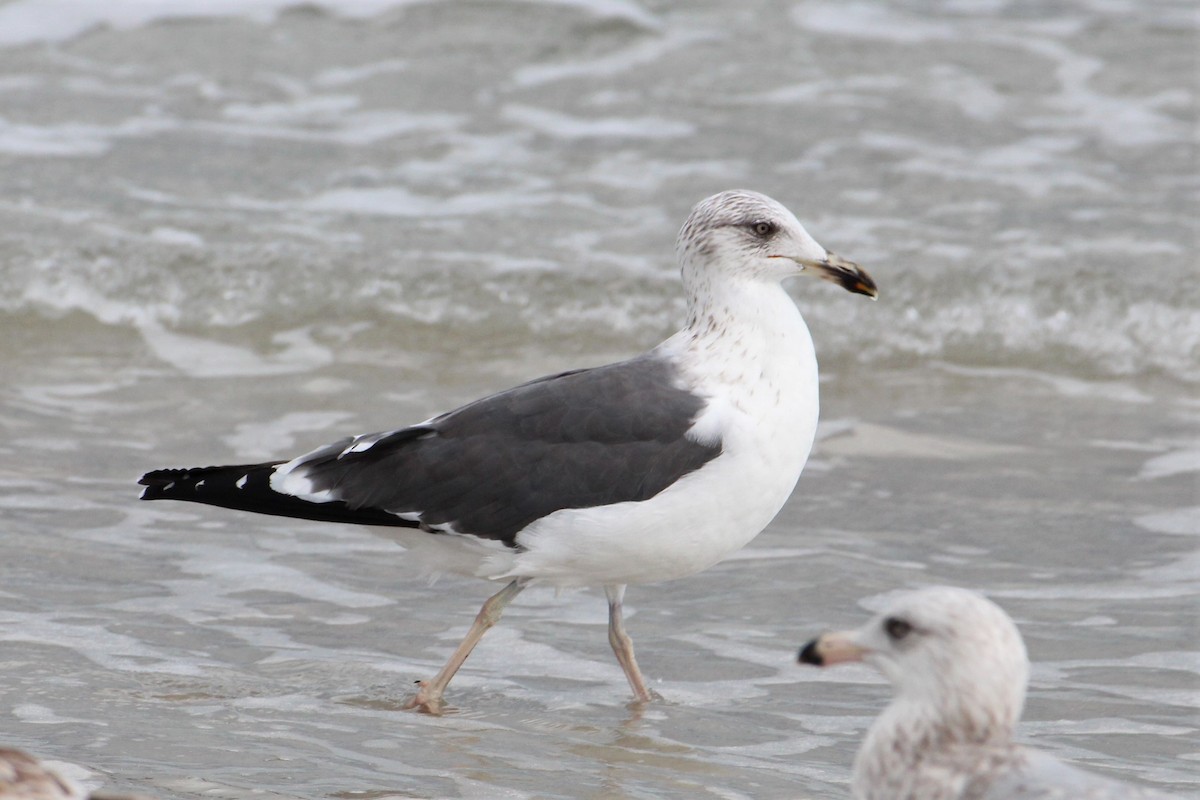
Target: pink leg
x=622, y=645
x=429, y=697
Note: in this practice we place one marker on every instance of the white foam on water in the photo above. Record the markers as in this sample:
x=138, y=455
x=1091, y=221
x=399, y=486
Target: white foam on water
x=851, y=91
x=1039, y=149
x=879, y=441
x=276, y=639
x=96, y=643
x=225, y=571
x=175, y=236
x=1033, y=165
x=205, y=358
x=621, y=61
x=759, y=553
x=1127, y=121
x=566, y=126
x=627, y=170
x=1181, y=570
x=29, y=21
x=397, y=201
x=1124, y=121
x=1177, y=462
x=972, y=94
x=1103, y=725
x=74, y=396
x=75, y=138
x=857, y=20
x=321, y=120
x=1141, y=590
x=739, y=648
x=332, y=77
x=1187, y=660
x=14, y=83
x=311, y=108
x=42, y=715
x=269, y=438
x=57, y=140
x=509, y=653
x=1066, y=386
x=57, y=292
x=1178, y=521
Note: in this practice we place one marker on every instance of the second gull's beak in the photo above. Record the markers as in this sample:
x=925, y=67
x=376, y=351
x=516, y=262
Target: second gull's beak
x=845, y=273
x=831, y=648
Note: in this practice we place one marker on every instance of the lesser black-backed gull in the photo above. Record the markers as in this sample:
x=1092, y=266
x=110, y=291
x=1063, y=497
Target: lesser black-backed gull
x=644, y=470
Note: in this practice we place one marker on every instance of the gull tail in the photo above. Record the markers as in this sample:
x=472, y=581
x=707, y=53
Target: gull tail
x=247, y=487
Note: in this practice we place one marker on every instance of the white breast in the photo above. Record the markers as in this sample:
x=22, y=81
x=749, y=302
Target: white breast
x=760, y=378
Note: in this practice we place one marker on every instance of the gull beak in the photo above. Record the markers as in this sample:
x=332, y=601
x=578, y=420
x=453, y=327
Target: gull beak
x=845, y=273
x=832, y=648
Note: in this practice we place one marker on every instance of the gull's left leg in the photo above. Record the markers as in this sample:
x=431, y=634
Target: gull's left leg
x=429, y=697
x=622, y=645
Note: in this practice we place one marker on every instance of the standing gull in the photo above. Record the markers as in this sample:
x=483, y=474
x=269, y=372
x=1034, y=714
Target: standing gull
x=959, y=670
x=644, y=470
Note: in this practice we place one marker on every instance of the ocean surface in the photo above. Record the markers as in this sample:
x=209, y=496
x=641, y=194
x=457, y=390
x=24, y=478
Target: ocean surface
x=238, y=230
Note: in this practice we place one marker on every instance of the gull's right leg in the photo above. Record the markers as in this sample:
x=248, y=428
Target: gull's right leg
x=622, y=645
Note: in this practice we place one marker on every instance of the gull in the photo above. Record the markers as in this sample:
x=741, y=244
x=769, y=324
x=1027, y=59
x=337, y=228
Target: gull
x=24, y=777
x=645, y=470
x=958, y=667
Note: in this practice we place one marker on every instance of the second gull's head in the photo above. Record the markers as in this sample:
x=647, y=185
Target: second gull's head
x=954, y=658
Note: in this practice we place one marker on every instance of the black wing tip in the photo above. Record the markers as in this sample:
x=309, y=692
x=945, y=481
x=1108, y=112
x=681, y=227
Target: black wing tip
x=175, y=473
x=159, y=482
x=246, y=487
x=159, y=477
x=180, y=483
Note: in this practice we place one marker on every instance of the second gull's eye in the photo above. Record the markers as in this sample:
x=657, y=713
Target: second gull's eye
x=896, y=628
x=764, y=229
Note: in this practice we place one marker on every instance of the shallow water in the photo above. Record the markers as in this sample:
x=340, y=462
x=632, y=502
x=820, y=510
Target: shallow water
x=238, y=235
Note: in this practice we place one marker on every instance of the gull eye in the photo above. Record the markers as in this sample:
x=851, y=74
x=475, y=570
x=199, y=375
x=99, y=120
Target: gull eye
x=896, y=628
x=764, y=229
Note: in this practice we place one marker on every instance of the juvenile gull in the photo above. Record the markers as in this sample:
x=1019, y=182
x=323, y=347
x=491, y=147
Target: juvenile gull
x=23, y=777
x=959, y=670
x=644, y=470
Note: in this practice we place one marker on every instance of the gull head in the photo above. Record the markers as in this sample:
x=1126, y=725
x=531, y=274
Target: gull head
x=745, y=233
x=953, y=657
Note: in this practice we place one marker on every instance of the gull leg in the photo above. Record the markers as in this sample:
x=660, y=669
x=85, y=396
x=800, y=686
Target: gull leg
x=429, y=697
x=622, y=645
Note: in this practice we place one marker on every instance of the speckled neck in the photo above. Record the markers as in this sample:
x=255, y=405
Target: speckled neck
x=895, y=758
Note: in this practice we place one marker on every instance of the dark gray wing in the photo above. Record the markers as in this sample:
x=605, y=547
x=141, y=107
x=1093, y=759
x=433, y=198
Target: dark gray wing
x=580, y=439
